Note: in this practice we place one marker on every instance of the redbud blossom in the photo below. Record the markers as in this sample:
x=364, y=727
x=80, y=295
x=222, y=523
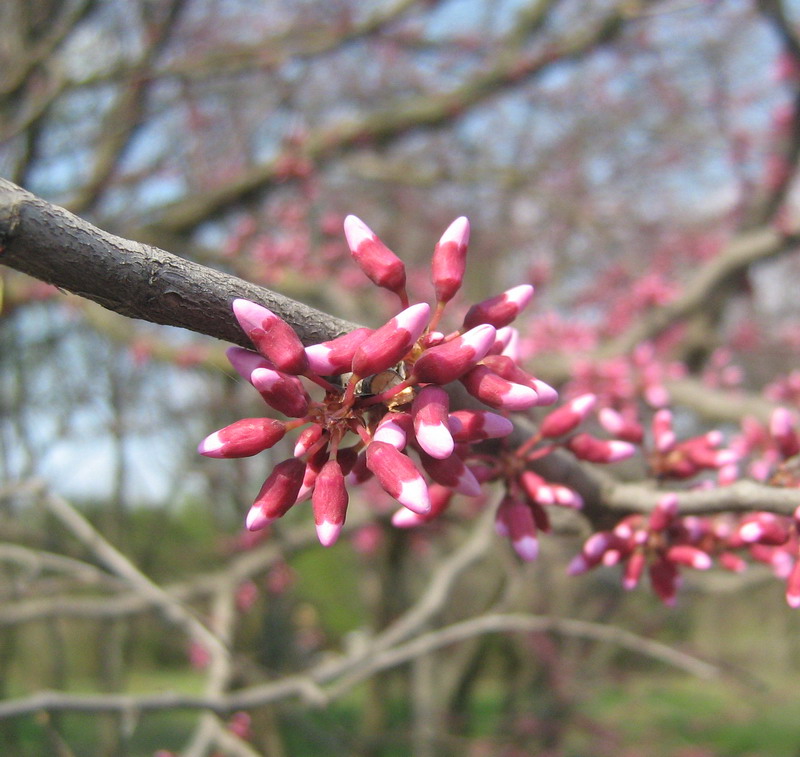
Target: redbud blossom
x=515, y=520
x=484, y=384
x=398, y=476
x=685, y=554
x=663, y=434
x=278, y=493
x=440, y=500
x=307, y=439
x=429, y=411
x=478, y=425
x=587, y=447
x=793, y=586
x=391, y=342
x=447, y=362
x=281, y=391
x=450, y=260
x=664, y=512
x=568, y=416
x=393, y=429
x=336, y=356
x=500, y=310
x=382, y=266
x=451, y=472
x=245, y=437
x=329, y=501
x=272, y=336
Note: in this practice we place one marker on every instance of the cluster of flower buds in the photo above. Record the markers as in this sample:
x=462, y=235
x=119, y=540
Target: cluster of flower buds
x=686, y=459
x=522, y=512
x=661, y=542
x=383, y=394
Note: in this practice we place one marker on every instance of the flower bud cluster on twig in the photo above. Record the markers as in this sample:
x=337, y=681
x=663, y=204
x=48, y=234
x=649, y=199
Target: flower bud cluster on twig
x=374, y=404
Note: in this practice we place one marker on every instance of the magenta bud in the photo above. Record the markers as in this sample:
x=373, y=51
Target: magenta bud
x=307, y=439
x=663, y=435
x=484, y=384
x=391, y=342
x=450, y=260
x=440, y=497
x=593, y=450
x=793, y=586
x=685, y=554
x=515, y=520
x=664, y=579
x=633, y=569
x=329, y=502
x=245, y=361
x=398, y=476
x=282, y=391
x=500, y=310
x=448, y=361
x=278, y=493
x=380, y=264
x=615, y=423
x=564, y=419
x=336, y=356
x=664, y=512
x=394, y=429
x=429, y=412
x=243, y=438
x=272, y=336
x=452, y=473
x=478, y=425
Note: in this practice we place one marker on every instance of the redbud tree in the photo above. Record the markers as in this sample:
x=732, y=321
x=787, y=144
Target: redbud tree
x=602, y=359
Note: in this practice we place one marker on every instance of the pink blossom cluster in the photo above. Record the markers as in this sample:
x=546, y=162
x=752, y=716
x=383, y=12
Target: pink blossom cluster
x=383, y=394
x=664, y=542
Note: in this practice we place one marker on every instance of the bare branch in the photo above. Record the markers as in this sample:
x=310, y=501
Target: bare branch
x=136, y=280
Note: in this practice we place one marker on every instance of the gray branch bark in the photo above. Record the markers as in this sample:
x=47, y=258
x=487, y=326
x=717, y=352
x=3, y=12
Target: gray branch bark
x=134, y=279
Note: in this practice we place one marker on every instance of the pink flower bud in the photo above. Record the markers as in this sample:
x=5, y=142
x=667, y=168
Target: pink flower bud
x=593, y=450
x=545, y=493
x=793, y=587
x=451, y=472
x=763, y=528
x=307, y=439
x=664, y=512
x=429, y=411
x=394, y=429
x=440, y=500
x=272, y=336
x=477, y=425
x=500, y=310
x=685, y=554
x=243, y=438
x=398, y=476
x=245, y=361
x=382, y=266
x=633, y=569
x=564, y=419
x=336, y=356
x=663, y=434
x=329, y=501
x=625, y=429
x=484, y=384
x=447, y=362
x=450, y=259
x=781, y=427
x=280, y=390
x=391, y=342
x=515, y=520
x=277, y=495
x=664, y=580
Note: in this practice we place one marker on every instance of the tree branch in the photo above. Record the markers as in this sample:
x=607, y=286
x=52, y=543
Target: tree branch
x=134, y=279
